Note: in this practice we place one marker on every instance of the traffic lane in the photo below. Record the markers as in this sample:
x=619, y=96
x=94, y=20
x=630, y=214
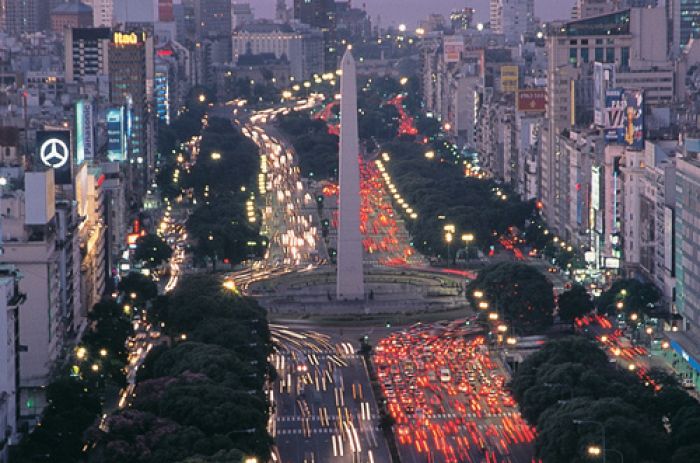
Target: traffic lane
x=324, y=438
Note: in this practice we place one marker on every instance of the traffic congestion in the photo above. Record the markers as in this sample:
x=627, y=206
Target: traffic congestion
x=447, y=395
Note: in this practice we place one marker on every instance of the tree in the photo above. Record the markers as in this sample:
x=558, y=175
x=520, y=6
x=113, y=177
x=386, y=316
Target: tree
x=152, y=250
x=628, y=430
x=574, y=303
x=72, y=408
x=629, y=296
x=138, y=284
x=521, y=294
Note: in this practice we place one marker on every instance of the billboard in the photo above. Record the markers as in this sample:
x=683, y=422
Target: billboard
x=532, y=100
x=603, y=79
x=53, y=150
x=509, y=79
x=84, y=132
x=452, y=46
x=613, y=114
x=634, y=120
x=624, y=117
x=116, y=134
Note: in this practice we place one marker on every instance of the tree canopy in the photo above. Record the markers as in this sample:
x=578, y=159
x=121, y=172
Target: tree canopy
x=518, y=292
x=574, y=303
x=152, y=250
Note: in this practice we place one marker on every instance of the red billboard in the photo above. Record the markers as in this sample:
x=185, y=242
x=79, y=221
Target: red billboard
x=532, y=100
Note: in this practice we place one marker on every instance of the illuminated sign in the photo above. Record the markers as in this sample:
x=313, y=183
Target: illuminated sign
x=84, y=132
x=116, y=134
x=125, y=39
x=532, y=100
x=452, y=47
x=53, y=151
x=509, y=79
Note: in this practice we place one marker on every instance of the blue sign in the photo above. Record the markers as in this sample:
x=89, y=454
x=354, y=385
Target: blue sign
x=687, y=357
x=116, y=134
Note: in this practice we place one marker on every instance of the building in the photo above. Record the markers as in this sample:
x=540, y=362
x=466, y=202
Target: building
x=115, y=208
x=131, y=79
x=685, y=15
x=91, y=232
x=134, y=11
x=102, y=12
x=241, y=14
x=583, y=9
x=70, y=15
x=25, y=16
x=633, y=43
x=352, y=22
x=512, y=18
x=302, y=47
x=462, y=20
x=31, y=244
x=11, y=299
x=649, y=189
x=687, y=256
x=316, y=13
x=87, y=54
x=320, y=14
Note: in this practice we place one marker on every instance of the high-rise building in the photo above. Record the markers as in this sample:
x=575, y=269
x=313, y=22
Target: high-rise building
x=87, y=51
x=11, y=298
x=102, y=12
x=70, y=15
x=302, y=47
x=241, y=14
x=320, y=14
x=131, y=79
x=634, y=42
x=688, y=18
x=462, y=19
x=687, y=218
x=512, y=18
x=26, y=16
x=588, y=8
x=282, y=13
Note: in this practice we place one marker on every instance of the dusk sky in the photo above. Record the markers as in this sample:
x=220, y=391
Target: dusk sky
x=411, y=11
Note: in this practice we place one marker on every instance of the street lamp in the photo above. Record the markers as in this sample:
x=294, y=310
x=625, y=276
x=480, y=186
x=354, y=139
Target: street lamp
x=449, y=235
x=216, y=156
x=602, y=432
x=250, y=460
x=595, y=451
x=478, y=294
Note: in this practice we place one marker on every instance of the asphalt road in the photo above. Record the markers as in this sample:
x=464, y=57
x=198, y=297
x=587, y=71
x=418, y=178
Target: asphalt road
x=465, y=415
x=324, y=410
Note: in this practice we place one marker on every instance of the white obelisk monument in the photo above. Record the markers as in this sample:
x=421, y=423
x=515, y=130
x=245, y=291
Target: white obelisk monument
x=350, y=278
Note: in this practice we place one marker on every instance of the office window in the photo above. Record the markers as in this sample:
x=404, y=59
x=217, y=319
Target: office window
x=609, y=55
x=584, y=55
x=599, y=54
x=573, y=56
x=625, y=57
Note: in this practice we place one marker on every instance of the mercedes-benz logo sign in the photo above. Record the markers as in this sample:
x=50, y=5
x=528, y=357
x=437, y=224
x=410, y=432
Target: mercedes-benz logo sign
x=54, y=153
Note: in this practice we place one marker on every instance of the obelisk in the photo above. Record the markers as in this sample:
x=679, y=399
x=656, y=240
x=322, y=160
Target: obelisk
x=350, y=278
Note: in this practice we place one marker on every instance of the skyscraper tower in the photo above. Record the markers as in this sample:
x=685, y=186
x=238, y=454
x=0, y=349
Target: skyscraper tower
x=350, y=278
x=281, y=11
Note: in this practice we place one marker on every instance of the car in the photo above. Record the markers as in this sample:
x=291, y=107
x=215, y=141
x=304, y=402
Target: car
x=445, y=375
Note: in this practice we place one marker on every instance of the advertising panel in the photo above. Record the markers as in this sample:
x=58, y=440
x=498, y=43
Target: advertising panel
x=84, y=132
x=633, y=133
x=624, y=117
x=614, y=114
x=452, y=46
x=509, y=79
x=532, y=100
x=116, y=134
x=53, y=150
x=603, y=79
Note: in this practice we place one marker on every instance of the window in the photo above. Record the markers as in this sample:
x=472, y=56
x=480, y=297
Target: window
x=625, y=57
x=609, y=55
x=572, y=55
x=584, y=55
x=599, y=54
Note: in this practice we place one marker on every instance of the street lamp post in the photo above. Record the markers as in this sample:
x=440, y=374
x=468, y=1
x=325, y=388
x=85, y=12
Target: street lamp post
x=468, y=238
x=602, y=432
x=594, y=450
x=449, y=236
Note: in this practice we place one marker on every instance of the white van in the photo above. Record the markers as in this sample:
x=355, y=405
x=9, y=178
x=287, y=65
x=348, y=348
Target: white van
x=445, y=376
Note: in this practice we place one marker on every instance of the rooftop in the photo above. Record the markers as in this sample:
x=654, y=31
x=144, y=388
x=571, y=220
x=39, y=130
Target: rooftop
x=72, y=8
x=617, y=23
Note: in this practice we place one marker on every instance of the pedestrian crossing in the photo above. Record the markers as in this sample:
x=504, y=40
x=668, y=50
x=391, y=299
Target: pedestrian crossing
x=449, y=416
x=298, y=418
x=293, y=432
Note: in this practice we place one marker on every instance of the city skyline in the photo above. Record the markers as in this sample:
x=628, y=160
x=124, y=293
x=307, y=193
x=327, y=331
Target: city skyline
x=411, y=12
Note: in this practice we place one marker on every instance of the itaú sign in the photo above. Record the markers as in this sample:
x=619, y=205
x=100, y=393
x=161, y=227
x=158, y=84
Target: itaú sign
x=121, y=38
